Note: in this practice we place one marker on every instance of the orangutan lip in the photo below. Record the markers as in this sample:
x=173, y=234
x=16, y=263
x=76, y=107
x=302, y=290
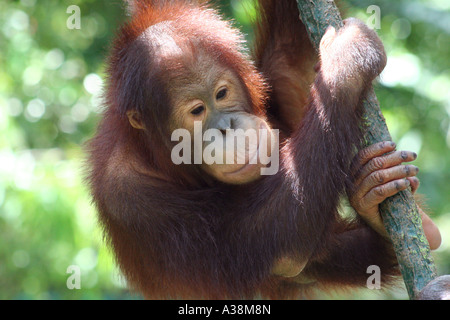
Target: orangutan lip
x=240, y=170
x=246, y=165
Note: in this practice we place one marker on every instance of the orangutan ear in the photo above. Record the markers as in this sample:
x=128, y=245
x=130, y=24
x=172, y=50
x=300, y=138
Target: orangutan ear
x=135, y=119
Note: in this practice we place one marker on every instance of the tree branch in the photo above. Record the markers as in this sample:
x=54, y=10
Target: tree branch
x=400, y=215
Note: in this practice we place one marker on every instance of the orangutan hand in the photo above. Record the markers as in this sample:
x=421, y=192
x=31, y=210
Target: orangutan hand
x=381, y=174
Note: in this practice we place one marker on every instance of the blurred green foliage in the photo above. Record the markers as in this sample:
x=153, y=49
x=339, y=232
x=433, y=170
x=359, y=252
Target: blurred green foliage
x=50, y=93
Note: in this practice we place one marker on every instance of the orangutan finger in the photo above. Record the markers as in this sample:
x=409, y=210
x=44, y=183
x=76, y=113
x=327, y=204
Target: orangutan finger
x=384, y=162
x=415, y=183
x=372, y=151
x=385, y=175
x=380, y=193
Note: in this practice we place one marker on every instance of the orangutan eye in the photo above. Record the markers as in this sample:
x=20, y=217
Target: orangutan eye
x=221, y=94
x=198, y=110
